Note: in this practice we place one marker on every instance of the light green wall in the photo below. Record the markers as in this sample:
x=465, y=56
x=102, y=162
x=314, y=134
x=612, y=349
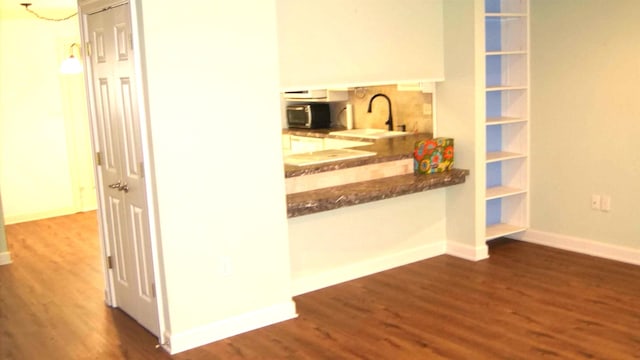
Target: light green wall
x=457, y=109
x=339, y=245
x=585, y=104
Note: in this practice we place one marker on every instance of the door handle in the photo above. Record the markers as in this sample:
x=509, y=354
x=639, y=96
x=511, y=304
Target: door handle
x=120, y=186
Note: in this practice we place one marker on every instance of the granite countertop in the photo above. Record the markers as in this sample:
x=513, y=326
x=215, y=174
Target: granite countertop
x=387, y=149
x=314, y=201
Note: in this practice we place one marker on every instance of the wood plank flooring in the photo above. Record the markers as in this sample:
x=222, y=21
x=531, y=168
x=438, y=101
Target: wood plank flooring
x=525, y=302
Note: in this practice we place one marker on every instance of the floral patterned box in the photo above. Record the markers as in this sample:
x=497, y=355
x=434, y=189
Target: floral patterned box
x=433, y=156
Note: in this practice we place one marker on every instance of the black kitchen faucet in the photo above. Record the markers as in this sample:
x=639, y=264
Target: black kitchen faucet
x=390, y=119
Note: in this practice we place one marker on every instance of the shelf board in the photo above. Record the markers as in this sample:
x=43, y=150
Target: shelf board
x=506, y=52
x=499, y=230
x=504, y=120
x=503, y=155
x=502, y=191
x=506, y=15
x=505, y=87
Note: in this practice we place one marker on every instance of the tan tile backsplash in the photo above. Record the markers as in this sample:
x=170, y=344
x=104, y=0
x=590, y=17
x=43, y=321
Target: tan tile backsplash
x=407, y=108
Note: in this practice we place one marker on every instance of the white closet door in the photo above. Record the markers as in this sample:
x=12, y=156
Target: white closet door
x=124, y=207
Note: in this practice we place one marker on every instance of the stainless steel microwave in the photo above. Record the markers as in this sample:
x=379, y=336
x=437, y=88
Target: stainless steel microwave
x=309, y=116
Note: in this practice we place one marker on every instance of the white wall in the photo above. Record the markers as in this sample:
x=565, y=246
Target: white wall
x=334, y=43
x=585, y=74
x=214, y=117
x=45, y=159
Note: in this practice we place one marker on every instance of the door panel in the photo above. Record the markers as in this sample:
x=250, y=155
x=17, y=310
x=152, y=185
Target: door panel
x=138, y=224
x=120, y=248
x=105, y=125
x=132, y=146
x=118, y=124
x=122, y=43
x=98, y=44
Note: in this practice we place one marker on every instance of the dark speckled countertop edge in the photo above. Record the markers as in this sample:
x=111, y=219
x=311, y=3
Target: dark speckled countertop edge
x=310, y=202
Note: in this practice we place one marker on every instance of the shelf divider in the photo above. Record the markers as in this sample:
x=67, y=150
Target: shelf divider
x=504, y=120
x=502, y=191
x=499, y=230
x=503, y=155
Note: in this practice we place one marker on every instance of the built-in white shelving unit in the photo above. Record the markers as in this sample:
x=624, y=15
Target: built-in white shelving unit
x=507, y=116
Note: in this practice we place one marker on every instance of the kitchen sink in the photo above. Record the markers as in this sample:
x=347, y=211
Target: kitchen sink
x=325, y=156
x=368, y=133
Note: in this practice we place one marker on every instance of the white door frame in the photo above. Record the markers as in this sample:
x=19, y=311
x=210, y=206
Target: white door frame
x=86, y=7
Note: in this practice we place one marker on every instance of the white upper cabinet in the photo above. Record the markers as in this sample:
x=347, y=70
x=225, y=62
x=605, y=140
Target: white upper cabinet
x=346, y=43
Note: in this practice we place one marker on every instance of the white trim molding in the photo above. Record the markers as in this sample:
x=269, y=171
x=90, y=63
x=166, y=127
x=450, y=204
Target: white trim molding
x=307, y=283
x=583, y=246
x=468, y=252
x=229, y=327
x=16, y=219
x=5, y=258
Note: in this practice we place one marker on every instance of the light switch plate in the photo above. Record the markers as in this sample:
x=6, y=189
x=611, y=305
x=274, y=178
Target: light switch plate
x=595, y=202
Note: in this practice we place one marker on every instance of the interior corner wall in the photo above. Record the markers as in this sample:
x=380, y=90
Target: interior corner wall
x=585, y=108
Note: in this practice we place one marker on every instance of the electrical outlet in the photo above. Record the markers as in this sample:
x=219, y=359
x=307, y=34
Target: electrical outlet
x=225, y=267
x=595, y=202
x=427, y=109
x=605, y=203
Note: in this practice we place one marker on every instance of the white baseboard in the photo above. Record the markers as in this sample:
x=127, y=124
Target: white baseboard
x=468, y=252
x=229, y=327
x=14, y=219
x=348, y=272
x=5, y=258
x=583, y=246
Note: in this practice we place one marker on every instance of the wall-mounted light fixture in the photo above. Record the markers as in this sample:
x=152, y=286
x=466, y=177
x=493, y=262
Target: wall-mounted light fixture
x=71, y=65
x=26, y=7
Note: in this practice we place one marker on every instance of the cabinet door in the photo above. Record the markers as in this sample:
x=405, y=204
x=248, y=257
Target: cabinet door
x=335, y=43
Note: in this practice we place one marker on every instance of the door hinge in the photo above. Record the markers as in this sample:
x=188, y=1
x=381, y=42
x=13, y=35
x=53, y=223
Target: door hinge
x=87, y=48
x=98, y=158
x=131, y=41
x=153, y=289
x=109, y=262
x=141, y=169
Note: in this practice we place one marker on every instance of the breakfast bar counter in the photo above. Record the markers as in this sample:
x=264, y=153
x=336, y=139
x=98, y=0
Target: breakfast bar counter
x=388, y=150
x=313, y=201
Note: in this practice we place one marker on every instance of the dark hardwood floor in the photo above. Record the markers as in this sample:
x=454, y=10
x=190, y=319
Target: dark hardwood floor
x=525, y=302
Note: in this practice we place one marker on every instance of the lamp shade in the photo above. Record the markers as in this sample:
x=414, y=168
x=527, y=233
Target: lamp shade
x=71, y=65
